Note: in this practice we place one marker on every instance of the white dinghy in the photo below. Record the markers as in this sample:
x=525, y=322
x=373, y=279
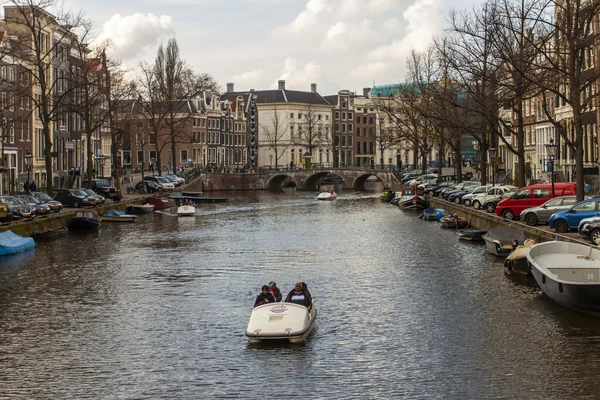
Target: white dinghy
x=186, y=211
x=281, y=321
x=568, y=273
x=327, y=196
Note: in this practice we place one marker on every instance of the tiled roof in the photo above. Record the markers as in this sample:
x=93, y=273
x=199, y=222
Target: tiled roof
x=280, y=96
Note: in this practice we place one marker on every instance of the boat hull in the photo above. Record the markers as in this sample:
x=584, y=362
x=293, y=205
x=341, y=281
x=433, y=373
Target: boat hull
x=497, y=249
x=475, y=235
x=326, y=196
x=84, y=224
x=161, y=203
x=129, y=218
x=413, y=204
x=51, y=233
x=140, y=209
x=569, y=274
x=281, y=321
x=186, y=211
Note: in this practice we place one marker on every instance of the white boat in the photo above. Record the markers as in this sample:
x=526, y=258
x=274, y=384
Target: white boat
x=327, y=196
x=281, y=321
x=186, y=211
x=568, y=273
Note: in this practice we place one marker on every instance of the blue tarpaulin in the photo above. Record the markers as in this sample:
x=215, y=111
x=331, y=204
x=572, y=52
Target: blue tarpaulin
x=11, y=243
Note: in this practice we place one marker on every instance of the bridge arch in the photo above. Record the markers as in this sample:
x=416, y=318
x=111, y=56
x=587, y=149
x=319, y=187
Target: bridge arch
x=314, y=181
x=360, y=181
x=278, y=181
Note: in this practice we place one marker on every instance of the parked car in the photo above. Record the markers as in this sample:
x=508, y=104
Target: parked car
x=490, y=205
x=17, y=208
x=492, y=193
x=93, y=195
x=468, y=199
x=104, y=188
x=178, y=179
x=533, y=196
x=590, y=229
x=40, y=208
x=435, y=189
x=421, y=179
x=55, y=206
x=457, y=196
x=172, y=179
x=459, y=187
x=541, y=214
x=5, y=214
x=166, y=185
x=73, y=198
x=146, y=186
x=568, y=219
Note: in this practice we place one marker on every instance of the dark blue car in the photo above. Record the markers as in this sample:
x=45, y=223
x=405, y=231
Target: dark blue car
x=563, y=221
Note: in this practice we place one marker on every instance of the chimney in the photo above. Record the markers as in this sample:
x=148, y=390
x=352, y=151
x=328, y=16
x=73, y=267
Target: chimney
x=313, y=87
x=366, y=92
x=229, y=87
x=281, y=85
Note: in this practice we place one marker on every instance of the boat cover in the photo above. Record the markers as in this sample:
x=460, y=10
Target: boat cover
x=506, y=235
x=11, y=243
x=113, y=213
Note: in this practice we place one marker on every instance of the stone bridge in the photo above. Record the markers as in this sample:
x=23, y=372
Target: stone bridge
x=351, y=178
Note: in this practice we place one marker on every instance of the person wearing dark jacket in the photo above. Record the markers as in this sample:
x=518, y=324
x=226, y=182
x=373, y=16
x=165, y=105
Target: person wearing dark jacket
x=299, y=296
x=264, y=297
x=275, y=291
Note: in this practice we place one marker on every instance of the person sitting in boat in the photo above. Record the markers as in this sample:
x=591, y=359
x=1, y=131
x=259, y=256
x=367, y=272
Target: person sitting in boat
x=331, y=191
x=264, y=297
x=275, y=290
x=299, y=296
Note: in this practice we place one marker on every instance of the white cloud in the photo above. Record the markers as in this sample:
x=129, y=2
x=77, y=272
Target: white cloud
x=249, y=79
x=132, y=34
x=299, y=78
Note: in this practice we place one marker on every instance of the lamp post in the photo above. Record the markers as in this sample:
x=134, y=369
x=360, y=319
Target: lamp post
x=398, y=161
x=551, y=150
x=454, y=164
x=27, y=158
x=152, y=163
x=270, y=161
x=492, y=151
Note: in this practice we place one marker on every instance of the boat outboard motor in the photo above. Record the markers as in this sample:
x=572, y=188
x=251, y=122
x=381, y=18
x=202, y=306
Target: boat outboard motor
x=515, y=243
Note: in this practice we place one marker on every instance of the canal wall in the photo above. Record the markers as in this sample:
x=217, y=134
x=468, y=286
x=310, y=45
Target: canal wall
x=483, y=220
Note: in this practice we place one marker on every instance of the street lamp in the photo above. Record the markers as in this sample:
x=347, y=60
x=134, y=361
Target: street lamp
x=492, y=151
x=454, y=164
x=152, y=163
x=27, y=158
x=270, y=161
x=398, y=161
x=551, y=150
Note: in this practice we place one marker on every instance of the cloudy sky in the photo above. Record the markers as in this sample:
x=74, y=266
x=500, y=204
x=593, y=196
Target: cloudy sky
x=339, y=44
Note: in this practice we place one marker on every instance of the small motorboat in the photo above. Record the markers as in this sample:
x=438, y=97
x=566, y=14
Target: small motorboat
x=568, y=273
x=453, y=221
x=160, y=203
x=11, y=243
x=433, y=214
x=85, y=220
x=290, y=184
x=51, y=233
x=472, y=234
x=281, y=321
x=499, y=241
x=117, y=216
x=139, y=209
x=327, y=196
x=517, y=260
x=412, y=200
x=388, y=196
x=186, y=210
x=196, y=197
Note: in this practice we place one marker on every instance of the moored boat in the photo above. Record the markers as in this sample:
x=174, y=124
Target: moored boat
x=160, y=203
x=85, y=220
x=517, y=260
x=138, y=209
x=412, y=200
x=499, y=241
x=568, y=273
x=327, y=196
x=472, y=234
x=453, y=221
x=11, y=243
x=117, y=216
x=281, y=321
x=433, y=214
x=388, y=196
x=196, y=197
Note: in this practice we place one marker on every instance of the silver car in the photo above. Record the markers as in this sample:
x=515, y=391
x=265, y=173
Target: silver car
x=541, y=214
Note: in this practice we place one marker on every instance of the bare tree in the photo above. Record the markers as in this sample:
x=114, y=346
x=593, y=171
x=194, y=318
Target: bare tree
x=310, y=130
x=276, y=135
x=30, y=24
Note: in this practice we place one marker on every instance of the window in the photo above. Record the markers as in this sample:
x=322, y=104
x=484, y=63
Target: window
x=541, y=193
x=140, y=157
x=343, y=116
x=349, y=127
x=358, y=120
x=299, y=116
x=521, y=195
x=350, y=115
x=569, y=201
x=337, y=115
x=183, y=156
x=326, y=117
x=587, y=206
x=291, y=115
x=357, y=131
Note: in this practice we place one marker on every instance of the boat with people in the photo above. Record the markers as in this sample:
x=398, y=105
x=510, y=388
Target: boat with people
x=453, y=221
x=499, y=241
x=85, y=220
x=281, y=321
x=412, y=199
x=388, y=196
x=117, y=216
x=471, y=234
x=433, y=214
x=139, y=209
x=186, y=210
x=161, y=203
x=517, y=260
x=51, y=233
x=568, y=273
x=327, y=196
x=11, y=243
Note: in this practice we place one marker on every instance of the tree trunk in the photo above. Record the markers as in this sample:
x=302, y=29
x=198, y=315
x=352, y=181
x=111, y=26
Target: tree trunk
x=48, y=157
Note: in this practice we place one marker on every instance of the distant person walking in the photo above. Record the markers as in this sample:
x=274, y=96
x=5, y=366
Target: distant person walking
x=32, y=187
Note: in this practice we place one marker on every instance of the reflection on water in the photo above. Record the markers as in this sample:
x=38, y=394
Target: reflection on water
x=158, y=309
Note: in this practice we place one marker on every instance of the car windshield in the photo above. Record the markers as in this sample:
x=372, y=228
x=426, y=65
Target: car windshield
x=42, y=196
x=79, y=193
x=89, y=192
x=29, y=199
x=102, y=183
x=162, y=179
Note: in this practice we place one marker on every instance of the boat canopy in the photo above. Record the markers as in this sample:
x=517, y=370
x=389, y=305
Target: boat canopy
x=11, y=243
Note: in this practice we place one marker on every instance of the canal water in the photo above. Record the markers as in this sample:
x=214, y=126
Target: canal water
x=158, y=309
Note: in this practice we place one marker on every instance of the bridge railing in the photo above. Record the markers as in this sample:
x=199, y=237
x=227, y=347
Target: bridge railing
x=327, y=166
